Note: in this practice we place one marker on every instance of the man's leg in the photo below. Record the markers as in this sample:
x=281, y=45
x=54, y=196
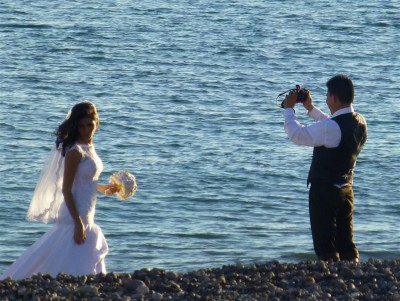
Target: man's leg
x=322, y=206
x=344, y=237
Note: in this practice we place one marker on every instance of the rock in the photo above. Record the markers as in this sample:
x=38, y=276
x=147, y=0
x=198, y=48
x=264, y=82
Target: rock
x=132, y=284
x=171, y=275
x=339, y=284
x=116, y=295
x=347, y=273
x=310, y=280
x=156, y=297
x=64, y=291
x=22, y=291
x=358, y=273
x=88, y=290
x=112, y=277
x=83, y=279
x=142, y=290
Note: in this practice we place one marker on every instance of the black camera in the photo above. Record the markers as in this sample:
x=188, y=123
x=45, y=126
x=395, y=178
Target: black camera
x=301, y=94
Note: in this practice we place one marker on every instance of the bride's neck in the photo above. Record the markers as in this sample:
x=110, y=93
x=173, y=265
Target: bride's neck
x=79, y=141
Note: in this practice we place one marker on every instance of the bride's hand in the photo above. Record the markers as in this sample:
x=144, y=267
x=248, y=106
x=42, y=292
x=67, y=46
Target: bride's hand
x=111, y=189
x=79, y=233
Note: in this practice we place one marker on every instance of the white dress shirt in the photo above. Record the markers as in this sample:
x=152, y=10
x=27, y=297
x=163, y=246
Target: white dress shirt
x=325, y=132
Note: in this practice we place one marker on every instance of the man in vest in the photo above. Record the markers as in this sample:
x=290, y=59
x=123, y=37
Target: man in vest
x=337, y=142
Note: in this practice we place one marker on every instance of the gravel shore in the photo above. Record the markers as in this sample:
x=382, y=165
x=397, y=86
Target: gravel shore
x=309, y=280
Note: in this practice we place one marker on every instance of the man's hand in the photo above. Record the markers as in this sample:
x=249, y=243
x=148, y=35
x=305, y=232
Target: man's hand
x=290, y=99
x=308, y=104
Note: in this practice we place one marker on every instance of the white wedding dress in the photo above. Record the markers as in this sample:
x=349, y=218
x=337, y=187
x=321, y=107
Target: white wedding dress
x=56, y=251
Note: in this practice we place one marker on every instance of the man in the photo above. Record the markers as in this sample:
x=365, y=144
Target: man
x=337, y=142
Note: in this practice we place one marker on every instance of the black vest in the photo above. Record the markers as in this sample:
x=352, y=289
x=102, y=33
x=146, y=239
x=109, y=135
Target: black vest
x=335, y=165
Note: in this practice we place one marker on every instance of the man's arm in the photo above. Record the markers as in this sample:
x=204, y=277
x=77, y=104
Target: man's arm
x=326, y=132
x=317, y=114
x=296, y=132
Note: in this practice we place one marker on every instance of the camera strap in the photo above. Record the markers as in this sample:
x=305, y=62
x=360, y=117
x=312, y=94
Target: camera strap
x=279, y=95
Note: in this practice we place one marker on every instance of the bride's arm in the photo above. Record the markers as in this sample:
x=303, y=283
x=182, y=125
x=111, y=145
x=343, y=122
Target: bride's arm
x=72, y=160
x=107, y=189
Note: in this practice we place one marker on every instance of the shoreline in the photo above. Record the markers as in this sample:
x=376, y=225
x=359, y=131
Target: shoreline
x=306, y=280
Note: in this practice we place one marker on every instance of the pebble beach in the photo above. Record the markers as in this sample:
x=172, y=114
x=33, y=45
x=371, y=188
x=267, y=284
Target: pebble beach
x=308, y=280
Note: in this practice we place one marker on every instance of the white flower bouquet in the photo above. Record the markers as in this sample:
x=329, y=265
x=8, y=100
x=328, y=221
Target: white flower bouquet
x=126, y=183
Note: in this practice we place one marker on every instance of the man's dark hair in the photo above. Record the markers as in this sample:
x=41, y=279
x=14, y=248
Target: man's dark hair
x=341, y=86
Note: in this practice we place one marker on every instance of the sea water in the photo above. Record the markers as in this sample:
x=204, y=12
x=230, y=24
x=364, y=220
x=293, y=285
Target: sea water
x=186, y=92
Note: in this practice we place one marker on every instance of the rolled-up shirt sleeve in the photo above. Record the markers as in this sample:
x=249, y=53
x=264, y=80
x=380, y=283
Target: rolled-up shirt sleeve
x=325, y=132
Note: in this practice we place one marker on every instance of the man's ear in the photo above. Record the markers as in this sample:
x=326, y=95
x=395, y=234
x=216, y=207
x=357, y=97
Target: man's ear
x=336, y=99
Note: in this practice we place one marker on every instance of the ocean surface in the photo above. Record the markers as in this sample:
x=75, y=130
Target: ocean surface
x=186, y=92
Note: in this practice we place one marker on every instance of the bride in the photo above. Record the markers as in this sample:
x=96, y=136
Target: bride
x=66, y=195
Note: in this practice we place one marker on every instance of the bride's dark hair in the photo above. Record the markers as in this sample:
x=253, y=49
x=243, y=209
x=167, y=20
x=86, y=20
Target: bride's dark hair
x=67, y=132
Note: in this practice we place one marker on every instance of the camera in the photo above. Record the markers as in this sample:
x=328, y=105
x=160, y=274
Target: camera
x=301, y=94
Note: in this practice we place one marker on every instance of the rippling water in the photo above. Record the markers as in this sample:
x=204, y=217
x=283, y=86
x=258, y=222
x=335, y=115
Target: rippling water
x=186, y=95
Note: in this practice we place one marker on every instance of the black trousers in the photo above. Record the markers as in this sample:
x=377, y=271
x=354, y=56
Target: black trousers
x=331, y=217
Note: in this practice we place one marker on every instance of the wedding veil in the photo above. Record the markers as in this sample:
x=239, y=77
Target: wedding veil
x=48, y=196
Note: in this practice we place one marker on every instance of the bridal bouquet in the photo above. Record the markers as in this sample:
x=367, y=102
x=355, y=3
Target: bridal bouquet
x=126, y=183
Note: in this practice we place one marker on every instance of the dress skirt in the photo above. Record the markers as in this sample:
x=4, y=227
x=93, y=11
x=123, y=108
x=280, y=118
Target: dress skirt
x=57, y=251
